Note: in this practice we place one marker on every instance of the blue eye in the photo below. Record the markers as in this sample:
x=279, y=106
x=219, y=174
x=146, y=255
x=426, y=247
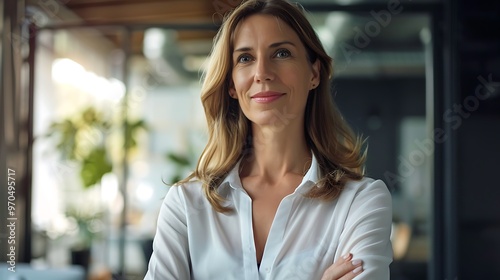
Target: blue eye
x=244, y=58
x=283, y=53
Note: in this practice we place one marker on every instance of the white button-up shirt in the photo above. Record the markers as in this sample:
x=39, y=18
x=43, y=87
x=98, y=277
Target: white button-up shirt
x=193, y=241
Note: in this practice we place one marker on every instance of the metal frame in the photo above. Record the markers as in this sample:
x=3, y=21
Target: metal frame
x=448, y=229
x=16, y=136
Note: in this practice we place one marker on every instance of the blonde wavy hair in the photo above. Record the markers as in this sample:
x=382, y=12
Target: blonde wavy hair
x=336, y=148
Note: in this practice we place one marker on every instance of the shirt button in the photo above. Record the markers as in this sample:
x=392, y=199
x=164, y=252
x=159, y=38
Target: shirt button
x=268, y=270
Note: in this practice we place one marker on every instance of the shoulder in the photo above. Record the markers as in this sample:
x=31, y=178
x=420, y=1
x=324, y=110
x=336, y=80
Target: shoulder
x=188, y=193
x=367, y=192
x=367, y=185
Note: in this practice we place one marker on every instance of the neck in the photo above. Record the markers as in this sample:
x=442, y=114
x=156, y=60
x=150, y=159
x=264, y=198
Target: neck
x=277, y=152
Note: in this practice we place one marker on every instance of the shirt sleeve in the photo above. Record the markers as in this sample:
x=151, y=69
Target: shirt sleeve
x=170, y=258
x=367, y=231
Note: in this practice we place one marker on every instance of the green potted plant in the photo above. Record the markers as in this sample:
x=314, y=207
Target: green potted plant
x=84, y=140
x=81, y=139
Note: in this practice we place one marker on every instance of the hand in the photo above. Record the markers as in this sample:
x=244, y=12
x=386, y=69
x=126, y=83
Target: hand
x=343, y=269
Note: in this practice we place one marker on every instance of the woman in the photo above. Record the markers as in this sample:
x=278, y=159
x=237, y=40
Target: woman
x=278, y=192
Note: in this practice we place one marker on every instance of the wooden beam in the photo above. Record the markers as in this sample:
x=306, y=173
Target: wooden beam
x=195, y=11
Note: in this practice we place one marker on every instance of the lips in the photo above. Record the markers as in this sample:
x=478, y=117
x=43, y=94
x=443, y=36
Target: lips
x=266, y=96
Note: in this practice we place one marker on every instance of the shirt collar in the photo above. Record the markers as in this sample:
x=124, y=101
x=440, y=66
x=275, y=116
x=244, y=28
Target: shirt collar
x=310, y=178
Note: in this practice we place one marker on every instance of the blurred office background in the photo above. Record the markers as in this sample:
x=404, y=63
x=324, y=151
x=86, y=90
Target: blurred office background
x=100, y=111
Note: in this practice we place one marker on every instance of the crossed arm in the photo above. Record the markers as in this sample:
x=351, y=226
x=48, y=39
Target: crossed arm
x=365, y=244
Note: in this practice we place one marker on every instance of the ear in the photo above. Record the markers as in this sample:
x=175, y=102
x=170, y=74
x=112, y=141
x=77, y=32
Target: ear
x=232, y=90
x=315, y=78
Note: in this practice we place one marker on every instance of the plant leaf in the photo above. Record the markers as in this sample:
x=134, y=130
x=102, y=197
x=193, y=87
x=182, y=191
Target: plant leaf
x=94, y=166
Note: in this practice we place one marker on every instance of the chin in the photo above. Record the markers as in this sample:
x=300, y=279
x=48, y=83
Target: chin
x=273, y=119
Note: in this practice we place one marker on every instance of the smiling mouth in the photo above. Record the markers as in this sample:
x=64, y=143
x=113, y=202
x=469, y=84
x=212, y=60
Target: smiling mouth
x=266, y=97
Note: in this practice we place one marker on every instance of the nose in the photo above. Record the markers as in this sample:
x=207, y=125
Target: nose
x=263, y=71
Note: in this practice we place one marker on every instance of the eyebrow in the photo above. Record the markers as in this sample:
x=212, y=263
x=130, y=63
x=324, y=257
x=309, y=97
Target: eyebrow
x=273, y=45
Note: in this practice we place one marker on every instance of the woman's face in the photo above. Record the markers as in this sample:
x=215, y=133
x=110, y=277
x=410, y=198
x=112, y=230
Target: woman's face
x=272, y=74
